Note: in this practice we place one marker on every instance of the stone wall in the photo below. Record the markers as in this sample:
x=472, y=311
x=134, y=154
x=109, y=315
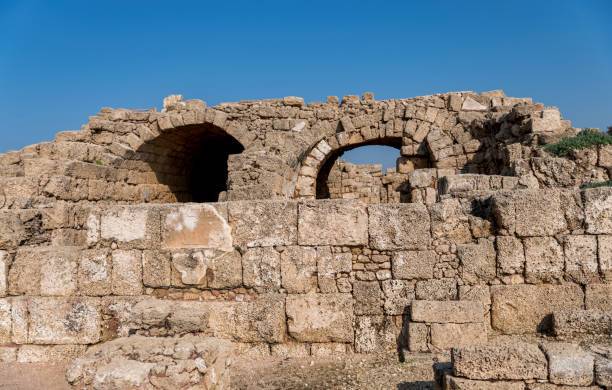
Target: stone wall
x=302, y=277
x=278, y=148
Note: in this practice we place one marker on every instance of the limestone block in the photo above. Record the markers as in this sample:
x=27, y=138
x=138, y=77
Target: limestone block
x=543, y=260
x=156, y=269
x=413, y=264
x=131, y=226
x=510, y=255
x=5, y=321
x=375, y=334
x=46, y=271
x=449, y=222
x=8, y=354
x=447, y=336
x=175, y=317
x=480, y=293
x=20, y=319
x=568, y=364
x=127, y=272
x=207, y=268
x=298, y=269
x=368, y=298
x=418, y=337
x=519, y=309
x=398, y=296
x=436, y=289
x=459, y=312
x=455, y=383
x=261, y=269
x=5, y=261
x=64, y=321
x=252, y=350
x=530, y=212
x=95, y=272
x=332, y=222
x=599, y=297
x=328, y=349
x=470, y=104
x=263, y=223
x=399, y=226
x=477, y=261
x=196, y=226
x=604, y=245
x=12, y=230
x=598, y=210
x=49, y=353
x=567, y=324
x=580, y=258
x=516, y=360
x=320, y=317
x=603, y=371
x=329, y=265
x=293, y=350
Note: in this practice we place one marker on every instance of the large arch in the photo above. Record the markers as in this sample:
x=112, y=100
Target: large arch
x=191, y=160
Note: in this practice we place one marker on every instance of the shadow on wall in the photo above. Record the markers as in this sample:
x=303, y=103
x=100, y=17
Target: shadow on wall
x=191, y=161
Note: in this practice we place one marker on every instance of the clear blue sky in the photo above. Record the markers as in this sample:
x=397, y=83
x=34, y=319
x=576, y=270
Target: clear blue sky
x=60, y=61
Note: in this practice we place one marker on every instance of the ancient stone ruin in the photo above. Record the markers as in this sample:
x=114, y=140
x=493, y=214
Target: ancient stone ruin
x=150, y=248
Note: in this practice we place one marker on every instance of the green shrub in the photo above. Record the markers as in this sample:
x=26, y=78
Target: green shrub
x=586, y=138
x=597, y=185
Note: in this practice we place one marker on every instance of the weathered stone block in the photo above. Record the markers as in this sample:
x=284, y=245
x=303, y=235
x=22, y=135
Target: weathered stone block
x=197, y=226
x=510, y=255
x=459, y=312
x=580, y=258
x=447, y=336
x=261, y=269
x=436, y=289
x=293, y=350
x=263, y=223
x=516, y=360
x=44, y=271
x=95, y=272
x=599, y=297
x=477, y=261
x=368, y=298
x=567, y=324
x=598, y=210
x=530, y=212
x=329, y=265
x=418, y=337
x=449, y=222
x=521, y=309
x=298, y=269
x=64, y=321
x=603, y=371
x=12, y=230
x=156, y=269
x=568, y=364
x=413, y=264
x=399, y=226
x=127, y=272
x=5, y=260
x=332, y=223
x=131, y=226
x=207, y=268
x=320, y=317
x=375, y=334
x=604, y=245
x=398, y=296
x=455, y=383
x=543, y=260
x=5, y=321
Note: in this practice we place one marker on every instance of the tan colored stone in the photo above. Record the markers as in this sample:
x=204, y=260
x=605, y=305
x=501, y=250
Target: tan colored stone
x=368, y=298
x=580, y=258
x=375, y=334
x=516, y=360
x=320, y=317
x=293, y=350
x=5, y=321
x=329, y=265
x=599, y=297
x=63, y=321
x=135, y=226
x=604, y=246
x=261, y=269
x=156, y=269
x=127, y=272
x=44, y=271
x=413, y=264
x=510, y=255
x=95, y=272
x=197, y=226
x=455, y=383
x=568, y=324
x=5, y=260
x=263, y=223
x=399, y=227
x=332, y=222
x=436, y=289
x=418, y=337
x=598, y=210
x=568, y=364
x=398, y=296
x=519, y=309
x=449, y=222
x=447, y=336
x=477, y=261
x=459, y=312
x=543, y=260
x=299, y=269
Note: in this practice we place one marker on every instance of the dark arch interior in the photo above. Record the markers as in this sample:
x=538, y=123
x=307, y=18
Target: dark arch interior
x=322, y=188
x=192, y=161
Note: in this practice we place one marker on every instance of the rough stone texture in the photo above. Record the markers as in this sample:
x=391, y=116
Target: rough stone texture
x=604, y=247
x=543, y=260
x=568, y=324
x=299, y=269
x=510, y=255
x=368, y=298
x=599, y=297
x=580, y=258
x=398, y=296
x=348, y=221
x=156, y=269
x=436, y=289
x=447, y=311
x=413, y=264
x=568, y=364
x=598, y=210
x=320, y=317
x=263, y=223
x=5, y=260
x=196, y=226
x=527, y=308
x=44, y=271
x=95, y=272
x=515, y=360
x=530, y=212
x=134, y=226
x=477, y=261
x=447, y=336
x=603, y=370
x=329, y=265
x=127, y=272
x=403, y=226
x=261, y=268
x=374, y=334
x=455, y=383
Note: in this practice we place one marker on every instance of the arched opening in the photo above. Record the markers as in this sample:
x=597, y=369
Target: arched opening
x=192, y=161
x=359, y=171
